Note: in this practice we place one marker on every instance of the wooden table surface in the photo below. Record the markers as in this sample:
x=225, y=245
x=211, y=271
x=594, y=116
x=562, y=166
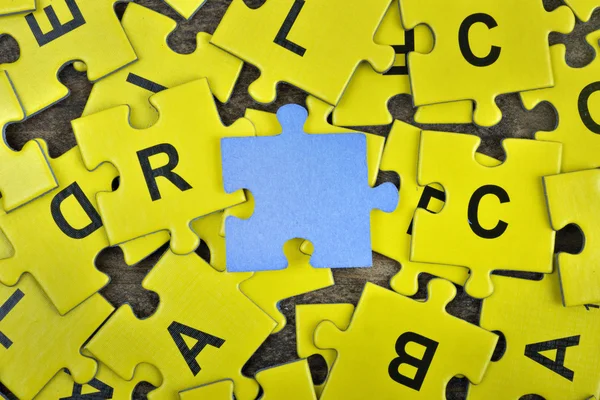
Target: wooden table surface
x=53, y=125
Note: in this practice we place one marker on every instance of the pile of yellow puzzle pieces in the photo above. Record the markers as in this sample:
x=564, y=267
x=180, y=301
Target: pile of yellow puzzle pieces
x=282, y=199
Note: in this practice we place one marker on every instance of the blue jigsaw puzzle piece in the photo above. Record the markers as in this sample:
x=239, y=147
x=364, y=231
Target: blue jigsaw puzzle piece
x=310, y=186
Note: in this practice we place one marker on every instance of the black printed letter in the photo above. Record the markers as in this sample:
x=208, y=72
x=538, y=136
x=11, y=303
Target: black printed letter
x=8, y=305
x=281, y=38
x=584, y=109
x=60, y=220
x=428, y=193
x=176, y=330
x=104, y=391
x=476, y=227
x=167, y=171
x=465, y=46
x=560, y=345
x=408, y=46
x=58, y=29
x=422, y=365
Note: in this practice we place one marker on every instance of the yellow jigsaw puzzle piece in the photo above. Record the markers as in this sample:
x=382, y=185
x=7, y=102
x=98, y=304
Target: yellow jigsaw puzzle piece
x=583, y=8
x=105, y=385
x=551, y=351
x=222, y=390
x=285, y=40
x=291, y=381
x=204, y=329
x=36, y=341
x=391, y=232
x=267, y=288
x=494, y=218
x=16, y=6
x=58, y=32
x=396, y=347
x=45, y=231
x=186, y=8
x=455, y=112
x=25, y=174
x=170, y=171
x=365, y=100
x=573, y=98
x=572, y=199
x=158, y=67
x=482, y=49
x=308, y=316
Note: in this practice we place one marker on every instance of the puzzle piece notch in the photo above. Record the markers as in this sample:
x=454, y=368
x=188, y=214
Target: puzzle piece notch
x=25, y=174
x=105, y=384
x=308, y=316
x=293, y=38
x=326, y=162
x=550, y=351
x=188, y=113
x=291, y=381
x=16, y=7
x=32, y=332
x=392, y=233
x=479, y=43
x=377, y=354
x=583, y=9
x=570, y=199
x=573, y=97
x=59, y=32
x=266, y=124
x=222, y=390
x=68, y=218
x=191, y=306
x=267, y=288
x=512, y=195
x=158, y=68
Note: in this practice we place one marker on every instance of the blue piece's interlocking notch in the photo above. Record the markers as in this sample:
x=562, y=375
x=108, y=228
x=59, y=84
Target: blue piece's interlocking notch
x=311, y=186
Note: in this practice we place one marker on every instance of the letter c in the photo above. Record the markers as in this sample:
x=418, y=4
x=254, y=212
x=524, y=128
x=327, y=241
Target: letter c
x=465, y=47
x=473, y=209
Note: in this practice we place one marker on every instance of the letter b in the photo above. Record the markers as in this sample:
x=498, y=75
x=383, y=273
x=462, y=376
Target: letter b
x=422, y=365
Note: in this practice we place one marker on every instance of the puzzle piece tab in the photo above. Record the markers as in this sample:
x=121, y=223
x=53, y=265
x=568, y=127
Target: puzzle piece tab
x=186, y=8
x=171, y=170
x=482, y=49
x=496, y=219
x=16, y=6
x=105, y=385
x=222, y=390
x=392, y=232
x=573, y=98
x=58, y=32
x=316, y=171
x=551, y=350
x=158, y=67
x=285, y=40
x=396, y=347
x=365, y=100
x=291, y=381
x=583, y=8
x=34, y=335
x=572, y=198
x=25, y=174
x=308, y=316
x=266, y=124
x=64, y=220
x=204, y=329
